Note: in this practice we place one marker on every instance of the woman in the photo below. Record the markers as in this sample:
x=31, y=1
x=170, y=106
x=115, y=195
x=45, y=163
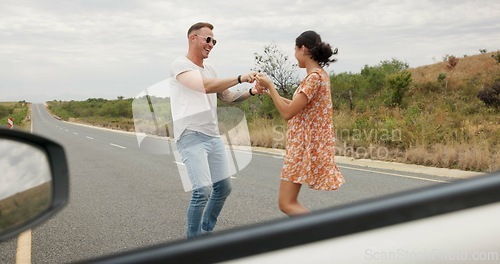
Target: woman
x=310, y=137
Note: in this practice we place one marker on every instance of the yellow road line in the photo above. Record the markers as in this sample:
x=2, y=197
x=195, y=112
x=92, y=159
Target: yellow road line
x=23, y=254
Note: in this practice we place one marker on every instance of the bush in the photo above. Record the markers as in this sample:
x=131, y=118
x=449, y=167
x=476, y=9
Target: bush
x=398, y=84
x=490, y=95
x=4, y=111
x=363, y=91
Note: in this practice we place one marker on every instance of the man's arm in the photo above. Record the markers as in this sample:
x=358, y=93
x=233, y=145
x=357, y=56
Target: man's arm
x=233, y=97
x=195, y=81
x=218, y=85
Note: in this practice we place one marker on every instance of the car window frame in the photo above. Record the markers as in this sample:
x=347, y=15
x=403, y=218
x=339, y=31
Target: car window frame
x=325, y=224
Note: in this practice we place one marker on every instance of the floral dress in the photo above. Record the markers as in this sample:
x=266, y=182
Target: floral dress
x=310, y=147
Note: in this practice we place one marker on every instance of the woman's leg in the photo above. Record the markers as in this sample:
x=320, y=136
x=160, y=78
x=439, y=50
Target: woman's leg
x=287, y=199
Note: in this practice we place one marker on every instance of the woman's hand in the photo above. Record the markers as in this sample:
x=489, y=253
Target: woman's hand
x=264, y=82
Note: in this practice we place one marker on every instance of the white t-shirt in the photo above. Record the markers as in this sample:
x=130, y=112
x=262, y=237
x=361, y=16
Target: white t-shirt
x=191, y=109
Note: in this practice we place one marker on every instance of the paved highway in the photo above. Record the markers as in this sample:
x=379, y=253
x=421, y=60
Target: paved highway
x=122, y=198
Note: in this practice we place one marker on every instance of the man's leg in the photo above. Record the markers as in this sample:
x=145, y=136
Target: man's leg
x=193, y=150
x=219, y=171
x=220, y=192
x=199, y=198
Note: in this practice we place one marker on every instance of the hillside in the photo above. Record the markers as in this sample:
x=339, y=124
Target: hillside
x=440, y=121
x=480, y=69
x=431, y=117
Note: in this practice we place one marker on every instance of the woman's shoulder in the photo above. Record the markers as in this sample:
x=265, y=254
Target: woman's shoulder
x=317, y=73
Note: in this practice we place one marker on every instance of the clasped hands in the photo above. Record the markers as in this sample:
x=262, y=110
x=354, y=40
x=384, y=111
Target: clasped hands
x=262, y=82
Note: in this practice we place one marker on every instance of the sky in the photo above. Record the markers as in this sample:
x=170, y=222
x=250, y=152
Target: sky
x=23, y=167
x=80, y=49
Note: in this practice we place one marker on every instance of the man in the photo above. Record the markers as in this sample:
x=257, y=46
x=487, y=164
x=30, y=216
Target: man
x=194, y=94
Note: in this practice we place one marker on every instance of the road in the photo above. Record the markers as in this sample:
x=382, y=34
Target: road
x=122, y=198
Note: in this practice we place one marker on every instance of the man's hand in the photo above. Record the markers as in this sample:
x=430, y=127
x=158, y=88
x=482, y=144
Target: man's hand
x=249, y=77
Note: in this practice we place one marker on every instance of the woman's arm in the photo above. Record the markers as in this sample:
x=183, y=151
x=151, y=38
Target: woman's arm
x=287, y=108
x=286, y=100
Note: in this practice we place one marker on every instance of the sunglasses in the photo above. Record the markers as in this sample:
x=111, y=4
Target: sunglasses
x=208, y=39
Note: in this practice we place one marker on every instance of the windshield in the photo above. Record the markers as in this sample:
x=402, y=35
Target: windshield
x=410, y=107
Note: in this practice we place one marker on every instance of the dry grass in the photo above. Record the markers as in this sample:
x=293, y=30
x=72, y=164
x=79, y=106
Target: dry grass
x=267, y=133
x=111, y=123
x=481, y=68
x=444, y=126
x=463, y=157
x=24, y=206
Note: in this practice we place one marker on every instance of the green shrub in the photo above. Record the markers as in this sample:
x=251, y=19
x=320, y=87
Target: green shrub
x=398, y=84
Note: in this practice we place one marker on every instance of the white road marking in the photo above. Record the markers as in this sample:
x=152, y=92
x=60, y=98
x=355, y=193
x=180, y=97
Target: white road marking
x=365, y=170
x=118, y=146
x=90, y=137
x=394, y=174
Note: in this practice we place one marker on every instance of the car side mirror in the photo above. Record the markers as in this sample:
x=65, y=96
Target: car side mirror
x=34, y=181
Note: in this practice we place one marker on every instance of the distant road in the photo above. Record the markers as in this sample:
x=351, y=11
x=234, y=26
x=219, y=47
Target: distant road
x=122, y=198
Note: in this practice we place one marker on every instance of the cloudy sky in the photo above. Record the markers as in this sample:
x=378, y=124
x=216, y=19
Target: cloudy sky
x=78, y=49
x=23, y=167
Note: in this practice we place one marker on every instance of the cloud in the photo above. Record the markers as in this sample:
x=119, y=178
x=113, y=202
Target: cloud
x=23, y=167
x=106, y=49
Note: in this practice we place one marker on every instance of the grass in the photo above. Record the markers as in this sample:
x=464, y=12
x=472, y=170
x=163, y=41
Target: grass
x=451, y=127
x=267, y=133
x=438, y=124
x=118, y=123
x=18, y=111
x=440, y=121
x=24, y=206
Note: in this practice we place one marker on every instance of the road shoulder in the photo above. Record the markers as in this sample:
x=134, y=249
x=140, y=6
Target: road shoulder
x=441, y=172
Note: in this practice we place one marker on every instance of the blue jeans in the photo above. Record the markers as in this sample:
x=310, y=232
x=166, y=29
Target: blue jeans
x=208, y=170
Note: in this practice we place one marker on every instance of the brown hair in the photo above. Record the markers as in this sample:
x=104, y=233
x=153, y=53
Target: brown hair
x=319, y=50
x=199, y=25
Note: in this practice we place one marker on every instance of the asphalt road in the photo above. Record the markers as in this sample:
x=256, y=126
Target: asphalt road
x=122, y=198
